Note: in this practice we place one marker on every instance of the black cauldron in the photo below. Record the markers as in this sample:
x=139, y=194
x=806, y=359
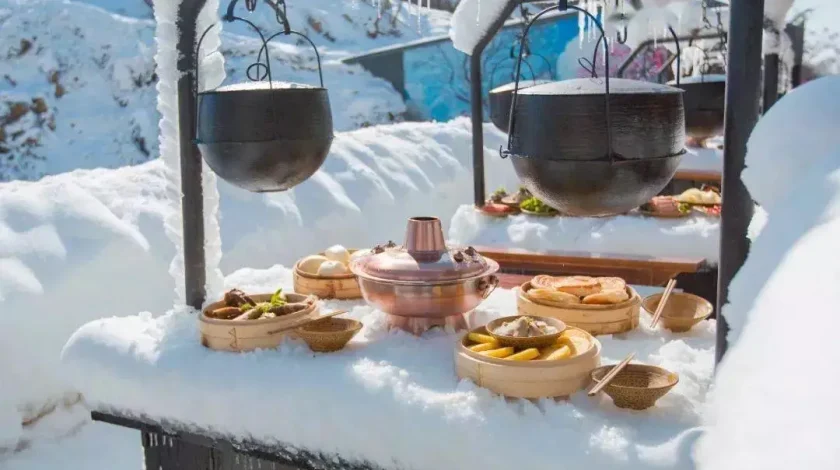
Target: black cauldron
x=264, y=136
x=560, y=143
x=704, y=100
x=500, y=98
x=264, y=139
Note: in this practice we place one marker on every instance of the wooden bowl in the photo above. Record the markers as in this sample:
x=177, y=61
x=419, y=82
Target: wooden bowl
x=247, y=335
x=528, y=379
x=594, y=319
x=329, y=334
x=682, y=311
x=638, y=386
x=342, y=286
x=527, y=342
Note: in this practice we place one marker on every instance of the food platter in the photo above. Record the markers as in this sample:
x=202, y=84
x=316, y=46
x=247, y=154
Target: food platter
x=709, y=210
x=664, y=215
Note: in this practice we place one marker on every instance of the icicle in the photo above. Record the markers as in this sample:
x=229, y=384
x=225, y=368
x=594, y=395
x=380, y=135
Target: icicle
x=581, y=29
x=477, y=11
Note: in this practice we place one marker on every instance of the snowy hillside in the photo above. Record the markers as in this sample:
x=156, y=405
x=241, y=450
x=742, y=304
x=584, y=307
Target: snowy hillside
x=78, y=82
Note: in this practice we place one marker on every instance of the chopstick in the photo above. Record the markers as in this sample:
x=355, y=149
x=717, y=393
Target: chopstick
x=661, y=306
x=611, y=375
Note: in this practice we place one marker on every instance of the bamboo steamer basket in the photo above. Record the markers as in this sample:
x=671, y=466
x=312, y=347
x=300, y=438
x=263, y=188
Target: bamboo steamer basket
x=342, y=287
x=594, y=319
x=247, y=335
x=528, y=379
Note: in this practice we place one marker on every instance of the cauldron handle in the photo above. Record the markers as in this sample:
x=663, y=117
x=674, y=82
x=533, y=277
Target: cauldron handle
x=562, y=5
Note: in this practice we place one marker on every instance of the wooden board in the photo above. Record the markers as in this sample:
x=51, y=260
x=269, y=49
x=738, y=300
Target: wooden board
x=648, y=271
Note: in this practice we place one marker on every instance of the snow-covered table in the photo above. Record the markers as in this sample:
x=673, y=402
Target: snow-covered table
x=701, y=164
x=389, y=400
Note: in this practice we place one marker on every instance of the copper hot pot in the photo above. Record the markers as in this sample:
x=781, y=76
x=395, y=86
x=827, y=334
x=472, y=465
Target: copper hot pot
x=424, y=283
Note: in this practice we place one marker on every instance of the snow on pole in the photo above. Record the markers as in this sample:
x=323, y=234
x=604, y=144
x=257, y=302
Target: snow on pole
x=212, y=73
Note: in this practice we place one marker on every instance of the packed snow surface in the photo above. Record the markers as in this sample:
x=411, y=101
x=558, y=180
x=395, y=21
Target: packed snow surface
x=401, y=388
x=767, y=411
x=696, y=236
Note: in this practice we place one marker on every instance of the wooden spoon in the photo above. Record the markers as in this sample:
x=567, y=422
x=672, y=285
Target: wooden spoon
x=661, y=306
x=306, y=322
x=611, y=375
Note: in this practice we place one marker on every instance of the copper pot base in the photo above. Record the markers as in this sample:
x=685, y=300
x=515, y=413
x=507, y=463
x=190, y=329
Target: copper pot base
x=419, y=325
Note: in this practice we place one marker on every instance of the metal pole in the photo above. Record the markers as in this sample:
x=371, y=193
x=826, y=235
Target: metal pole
x=796, y=33
x=741, y=114
x=192, y=198
x=771, y=81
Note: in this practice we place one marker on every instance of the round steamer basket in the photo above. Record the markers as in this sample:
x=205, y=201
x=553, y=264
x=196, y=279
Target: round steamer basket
x=247, y=335
x=342, y=287
x=528, y=379
x=594, y=319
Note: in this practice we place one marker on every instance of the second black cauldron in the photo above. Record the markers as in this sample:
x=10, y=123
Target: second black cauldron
x=704, y=99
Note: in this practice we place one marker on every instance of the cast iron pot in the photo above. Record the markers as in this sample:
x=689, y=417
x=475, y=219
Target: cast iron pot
x=263, y=139
x=704, y=99
x=595, y=188
x=566, y=120
x=500, y=98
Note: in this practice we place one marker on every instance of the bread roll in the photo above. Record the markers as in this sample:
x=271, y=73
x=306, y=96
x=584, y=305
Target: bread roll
x=543, y=281
x=332, y=268
x=310, y=264
x=611, y=283
x=607, y=297
x=338, y=253
x=552, y=295
x=580, y=286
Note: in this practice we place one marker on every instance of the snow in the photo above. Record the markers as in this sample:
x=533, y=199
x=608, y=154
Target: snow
x=94, y=242
x=702, y=159
x=764, y=390
x=703, y=78
x=403, y=388
x=262, y=86
x=696, y=236
x=779, y=153
x=471, y=19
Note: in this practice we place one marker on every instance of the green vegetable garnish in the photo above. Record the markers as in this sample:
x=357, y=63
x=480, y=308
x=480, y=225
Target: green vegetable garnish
x=535, y=205
x=278, y=299
x=684, y=208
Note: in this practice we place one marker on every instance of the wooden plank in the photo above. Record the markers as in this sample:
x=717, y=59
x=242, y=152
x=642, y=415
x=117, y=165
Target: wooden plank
x=651, y=271
x=704, y=176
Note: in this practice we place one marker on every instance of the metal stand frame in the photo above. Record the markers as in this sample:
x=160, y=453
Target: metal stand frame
x=192, y=200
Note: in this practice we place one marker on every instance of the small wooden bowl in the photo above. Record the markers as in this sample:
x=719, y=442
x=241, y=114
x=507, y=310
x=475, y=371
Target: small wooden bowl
x=528, y=342
x=329, y=334
x=342, y=286
x=638, y=386
x=682, y=311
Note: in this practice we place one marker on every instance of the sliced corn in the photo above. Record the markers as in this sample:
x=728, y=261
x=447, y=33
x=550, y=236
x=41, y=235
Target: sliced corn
x=563, y=352
x=500, y=353
x=480, y=338
x=484, y=346
x=525, y=355
x=569, y=343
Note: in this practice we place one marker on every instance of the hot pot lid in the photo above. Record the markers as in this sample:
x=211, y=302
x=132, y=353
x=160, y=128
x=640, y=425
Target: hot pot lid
x=523, y=84
x=396, y=263
x=596, y=86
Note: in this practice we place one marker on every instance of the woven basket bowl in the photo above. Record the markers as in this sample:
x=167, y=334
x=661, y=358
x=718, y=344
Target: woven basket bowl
x=529, y=342
x=329, y=334
x=682, y=311
x=638, y=386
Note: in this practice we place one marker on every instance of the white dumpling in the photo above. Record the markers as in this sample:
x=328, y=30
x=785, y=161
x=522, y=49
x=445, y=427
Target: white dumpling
x=332, y=268
x=310, y=264
x=338, y=253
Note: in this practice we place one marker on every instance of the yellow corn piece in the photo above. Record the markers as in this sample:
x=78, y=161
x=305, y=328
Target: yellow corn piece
x=569, y=343
x=563, y=352
x=484, y=346
x=525, y=355
x=480, y=338
x=545, y=353
x=500, y=353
